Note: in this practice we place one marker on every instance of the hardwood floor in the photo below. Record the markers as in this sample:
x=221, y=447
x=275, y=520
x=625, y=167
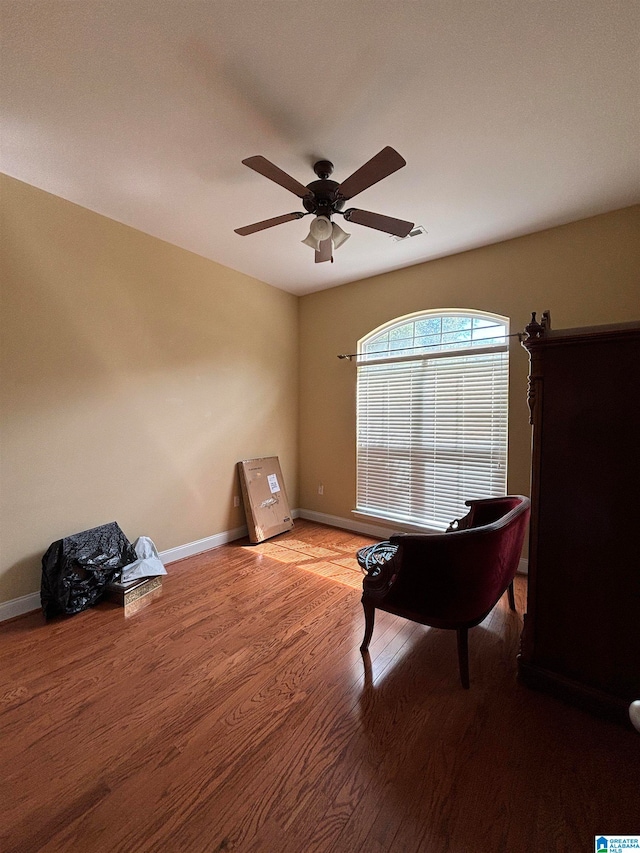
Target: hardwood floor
x=235, y=712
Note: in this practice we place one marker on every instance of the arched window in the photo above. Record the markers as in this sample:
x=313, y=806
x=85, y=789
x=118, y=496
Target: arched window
x=432, y=415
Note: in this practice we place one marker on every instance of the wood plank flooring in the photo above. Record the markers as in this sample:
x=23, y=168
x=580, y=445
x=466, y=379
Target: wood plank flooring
x=235, y=712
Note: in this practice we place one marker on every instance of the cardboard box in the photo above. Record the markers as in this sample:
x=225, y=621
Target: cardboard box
x=265, y=499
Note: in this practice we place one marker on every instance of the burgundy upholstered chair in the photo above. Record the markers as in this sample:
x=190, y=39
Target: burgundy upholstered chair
x=448, y=580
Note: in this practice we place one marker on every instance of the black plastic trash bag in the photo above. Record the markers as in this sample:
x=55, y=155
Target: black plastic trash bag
x=76, y=569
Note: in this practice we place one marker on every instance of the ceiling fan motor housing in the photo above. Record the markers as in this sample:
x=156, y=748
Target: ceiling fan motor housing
x=324, y=199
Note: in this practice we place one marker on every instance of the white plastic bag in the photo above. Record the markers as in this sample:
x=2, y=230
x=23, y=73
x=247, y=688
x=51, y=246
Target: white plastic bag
x=148, y=563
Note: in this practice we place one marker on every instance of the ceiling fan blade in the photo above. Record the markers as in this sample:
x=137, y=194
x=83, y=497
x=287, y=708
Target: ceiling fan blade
x=268, y=223
x=325, y=251
x=270, y=170
x=388, y=224
x=385, y=163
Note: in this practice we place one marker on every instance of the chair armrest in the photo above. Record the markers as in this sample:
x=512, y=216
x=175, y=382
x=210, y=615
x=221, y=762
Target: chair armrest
x=485, y=511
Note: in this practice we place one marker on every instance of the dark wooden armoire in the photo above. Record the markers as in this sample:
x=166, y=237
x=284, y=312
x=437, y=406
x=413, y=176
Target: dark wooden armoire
x=581, y=637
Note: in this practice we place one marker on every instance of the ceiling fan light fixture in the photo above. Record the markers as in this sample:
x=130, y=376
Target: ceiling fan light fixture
x=338, y=236
x=321, y=229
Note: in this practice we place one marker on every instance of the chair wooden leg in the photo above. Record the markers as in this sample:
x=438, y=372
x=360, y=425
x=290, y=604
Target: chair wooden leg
x=369, y=619
x=463, y=656
x=512, y=598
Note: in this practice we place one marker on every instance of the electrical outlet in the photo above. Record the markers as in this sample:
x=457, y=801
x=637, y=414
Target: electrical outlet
x=236, y=500
x=320, y=489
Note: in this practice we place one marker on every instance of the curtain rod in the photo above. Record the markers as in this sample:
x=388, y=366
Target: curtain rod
x=520, y=335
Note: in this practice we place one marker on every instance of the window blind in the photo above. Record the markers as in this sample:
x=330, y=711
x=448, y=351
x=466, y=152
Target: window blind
x=431, y=433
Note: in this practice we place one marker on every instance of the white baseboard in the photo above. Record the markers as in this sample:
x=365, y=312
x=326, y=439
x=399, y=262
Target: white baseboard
x=209, y=542
x=19, y=606
x=27, y=603
x=347, y=523
x=201, y=545
x=371, y=529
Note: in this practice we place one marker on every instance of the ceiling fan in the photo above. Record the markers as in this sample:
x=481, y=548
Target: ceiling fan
x=325, y=198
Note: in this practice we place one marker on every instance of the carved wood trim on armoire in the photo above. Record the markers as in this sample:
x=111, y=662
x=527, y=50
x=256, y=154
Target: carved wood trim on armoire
x=581, y=636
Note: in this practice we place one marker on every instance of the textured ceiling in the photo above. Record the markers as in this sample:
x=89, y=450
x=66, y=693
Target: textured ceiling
x=512, y=115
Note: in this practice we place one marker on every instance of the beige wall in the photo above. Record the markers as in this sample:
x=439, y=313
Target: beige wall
x=586, y=273
x=134, y=375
